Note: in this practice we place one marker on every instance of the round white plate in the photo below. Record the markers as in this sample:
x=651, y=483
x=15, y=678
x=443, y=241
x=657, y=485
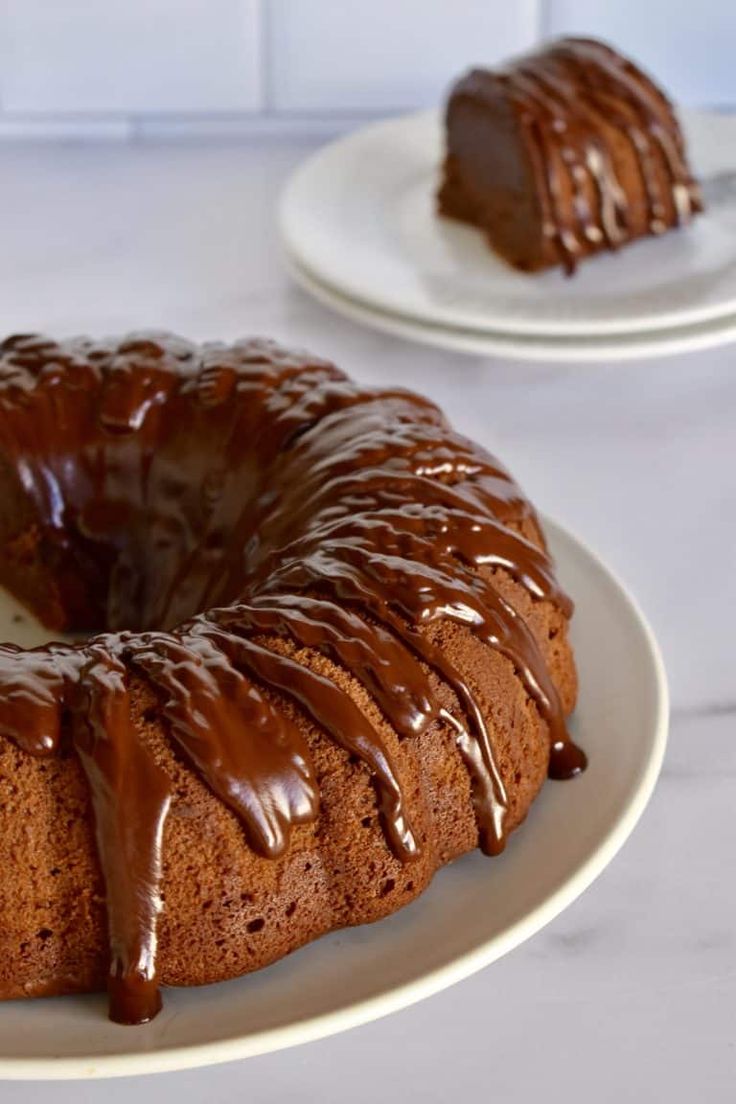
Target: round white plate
x=360, y=216
x=474, y=912
x=555, y=350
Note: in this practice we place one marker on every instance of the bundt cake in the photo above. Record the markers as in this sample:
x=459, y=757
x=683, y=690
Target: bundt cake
x=563, y=153
x=329, y=655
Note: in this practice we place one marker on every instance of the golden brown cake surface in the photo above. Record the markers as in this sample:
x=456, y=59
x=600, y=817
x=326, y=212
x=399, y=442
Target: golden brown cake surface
x=330, y=655
x=562, y=153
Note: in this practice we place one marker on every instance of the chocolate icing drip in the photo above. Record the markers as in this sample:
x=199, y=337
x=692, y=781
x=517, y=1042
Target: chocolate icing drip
x=412, y=582
x=250, y=754
x=131, y=795
x=368, y=651
x=234, y=511
x=575, y=97
x=33, y=694
x=337, y=714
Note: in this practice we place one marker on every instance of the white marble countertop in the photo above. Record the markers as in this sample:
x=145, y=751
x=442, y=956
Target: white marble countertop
x=631, y=993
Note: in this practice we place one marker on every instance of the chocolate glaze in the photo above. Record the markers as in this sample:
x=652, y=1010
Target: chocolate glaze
x=221, y=497
x=569, y=95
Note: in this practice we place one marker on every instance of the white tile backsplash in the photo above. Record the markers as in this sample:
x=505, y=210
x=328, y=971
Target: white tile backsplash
x=130, y=55
x=148, y=68
x=688, y=48
x=348, y=55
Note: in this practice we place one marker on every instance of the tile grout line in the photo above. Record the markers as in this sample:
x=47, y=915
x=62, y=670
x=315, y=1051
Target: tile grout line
x=265, y=37
x=544, y=19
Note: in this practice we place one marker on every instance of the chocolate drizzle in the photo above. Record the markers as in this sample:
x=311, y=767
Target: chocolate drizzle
x=223, y=501
x=130, y=799
x=576, y=97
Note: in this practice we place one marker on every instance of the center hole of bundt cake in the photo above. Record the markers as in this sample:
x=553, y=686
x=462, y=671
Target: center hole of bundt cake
x=84, y=558
x=66, y=583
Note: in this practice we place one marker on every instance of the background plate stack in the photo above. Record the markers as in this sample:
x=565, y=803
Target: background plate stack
x=361, y=233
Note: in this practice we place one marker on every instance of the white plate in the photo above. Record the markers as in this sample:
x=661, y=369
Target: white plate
x=475, y=911
x=360, y=216
x=556, y=350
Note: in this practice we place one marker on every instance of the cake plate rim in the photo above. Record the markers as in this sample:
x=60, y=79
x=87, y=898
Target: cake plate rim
x=340, y=223
x=148, y=1051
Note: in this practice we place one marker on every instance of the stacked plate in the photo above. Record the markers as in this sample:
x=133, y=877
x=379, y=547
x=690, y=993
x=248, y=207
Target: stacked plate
x=361, y=234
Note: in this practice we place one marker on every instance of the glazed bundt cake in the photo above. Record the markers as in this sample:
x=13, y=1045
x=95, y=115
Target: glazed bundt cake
x=329, y=655
x=563, y=153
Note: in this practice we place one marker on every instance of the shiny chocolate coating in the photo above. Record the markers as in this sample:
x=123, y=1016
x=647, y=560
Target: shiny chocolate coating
x=215, y=496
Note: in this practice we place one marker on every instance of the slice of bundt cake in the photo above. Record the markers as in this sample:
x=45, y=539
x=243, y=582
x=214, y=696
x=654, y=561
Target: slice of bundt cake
x=563, y=153
x=330, y=655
